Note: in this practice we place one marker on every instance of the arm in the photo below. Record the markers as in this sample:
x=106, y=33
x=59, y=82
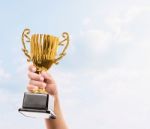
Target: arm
x=44, y=80
x=59, y=122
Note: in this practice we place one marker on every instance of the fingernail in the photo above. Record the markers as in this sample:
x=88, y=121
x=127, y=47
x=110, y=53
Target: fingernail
x=33, y=69
x=44, y=84
x=41, y=78
x=35, y=88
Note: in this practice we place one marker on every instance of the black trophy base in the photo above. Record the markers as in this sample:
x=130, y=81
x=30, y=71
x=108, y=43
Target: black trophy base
x=37, y=106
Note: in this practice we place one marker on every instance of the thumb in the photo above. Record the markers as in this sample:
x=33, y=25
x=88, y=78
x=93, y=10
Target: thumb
x=48, y=78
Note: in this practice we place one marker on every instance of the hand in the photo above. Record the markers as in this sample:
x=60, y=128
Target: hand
x=42, y=81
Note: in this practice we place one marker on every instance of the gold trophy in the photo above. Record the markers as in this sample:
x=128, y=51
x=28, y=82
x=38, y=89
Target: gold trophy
x=43, y=54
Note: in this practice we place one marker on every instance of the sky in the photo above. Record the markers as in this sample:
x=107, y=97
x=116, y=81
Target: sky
x=103, y=81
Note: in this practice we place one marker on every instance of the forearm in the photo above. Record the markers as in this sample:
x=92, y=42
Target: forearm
x=59, y=122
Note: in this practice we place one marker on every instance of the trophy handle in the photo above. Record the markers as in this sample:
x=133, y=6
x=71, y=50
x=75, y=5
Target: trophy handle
x=25, y=39
x=65, y=35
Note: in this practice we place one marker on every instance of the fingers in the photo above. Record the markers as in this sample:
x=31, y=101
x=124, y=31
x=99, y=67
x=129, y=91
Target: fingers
x=35, y=76
x=35, y=85
x=51, y=85
x=32, y=88
x=38, y=84
x=36, y=80
x=32, y=68
x=39, y=77
x=40, y=81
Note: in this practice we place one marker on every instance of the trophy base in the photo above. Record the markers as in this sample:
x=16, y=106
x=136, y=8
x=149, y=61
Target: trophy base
x=38, y=113
x=38, y=105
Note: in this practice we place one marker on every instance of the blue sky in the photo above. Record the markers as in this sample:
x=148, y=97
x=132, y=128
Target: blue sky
x=104, y=79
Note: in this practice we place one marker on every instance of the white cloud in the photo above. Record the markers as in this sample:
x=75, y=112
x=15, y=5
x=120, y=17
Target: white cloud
x=119, y=21
x=4, y=74
x=116, y=94
x=97, y=41
x=64, y=80
x=119, y=93
x=87, y=21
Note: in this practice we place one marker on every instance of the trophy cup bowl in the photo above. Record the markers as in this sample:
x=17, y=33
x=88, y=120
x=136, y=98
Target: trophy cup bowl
x=43, y=54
